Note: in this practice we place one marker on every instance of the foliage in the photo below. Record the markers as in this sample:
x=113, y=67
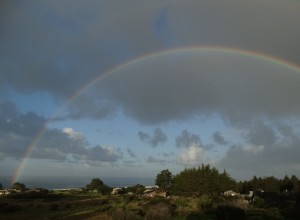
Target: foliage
x=202, y=180
x=205, y=202
x=9, y=208
x=270, y=184
x=137, y=189
x=97, y=184
x=19, y=186
x=164, y=180
x=230, y=212
x=161, y=210
x=1, y=187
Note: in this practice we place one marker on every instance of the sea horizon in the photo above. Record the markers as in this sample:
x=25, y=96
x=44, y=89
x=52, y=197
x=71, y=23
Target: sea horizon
x=62, y=182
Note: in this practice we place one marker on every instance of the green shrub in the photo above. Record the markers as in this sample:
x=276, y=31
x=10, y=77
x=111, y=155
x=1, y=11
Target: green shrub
x=54, y=207
x=9, y=208
x=122, y=214
x=159, y=211
x=205, y=202
x=229, y=212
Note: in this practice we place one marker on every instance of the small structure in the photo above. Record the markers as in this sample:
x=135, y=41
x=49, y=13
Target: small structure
x=117, y=191
x=154, y=193
x=231, y=193
x=4, y=192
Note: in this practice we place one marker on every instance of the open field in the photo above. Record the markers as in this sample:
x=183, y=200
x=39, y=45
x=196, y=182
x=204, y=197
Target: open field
x=94, y=206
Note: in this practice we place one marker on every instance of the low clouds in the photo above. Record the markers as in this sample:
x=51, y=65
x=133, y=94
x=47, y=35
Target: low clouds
x=193, y=155
x=218, y=138
x=265, y=150
x=130, y=152
x=152, y=159
x=186, y=139
x=17, y=131
x=192, y=150
x=158, y=137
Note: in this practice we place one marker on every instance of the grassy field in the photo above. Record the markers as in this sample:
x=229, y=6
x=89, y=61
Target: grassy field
x=122, y=207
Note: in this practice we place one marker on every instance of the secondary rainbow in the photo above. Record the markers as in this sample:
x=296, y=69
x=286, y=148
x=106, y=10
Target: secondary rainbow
x=210, y=49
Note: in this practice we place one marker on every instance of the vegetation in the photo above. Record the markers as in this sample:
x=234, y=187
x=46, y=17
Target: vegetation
x=19, y=186
x=195, y=193
x=98, y=185
x=202, y=180
x=1, y=187
x=164, y=180
x=271, y=184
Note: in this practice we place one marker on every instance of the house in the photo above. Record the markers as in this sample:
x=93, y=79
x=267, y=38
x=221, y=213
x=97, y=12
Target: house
x=117, y=191
x=231, y=193
x=154, y=193
x=4, y=192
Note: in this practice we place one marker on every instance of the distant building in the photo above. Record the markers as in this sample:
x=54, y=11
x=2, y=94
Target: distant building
x=231, y=193
x=117, y=191
x=4, y=192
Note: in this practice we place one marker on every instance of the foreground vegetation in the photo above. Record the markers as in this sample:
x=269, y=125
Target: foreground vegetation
x=71, y=205
x=194, y=193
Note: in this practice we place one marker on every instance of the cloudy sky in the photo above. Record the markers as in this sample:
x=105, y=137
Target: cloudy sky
x=126, y=88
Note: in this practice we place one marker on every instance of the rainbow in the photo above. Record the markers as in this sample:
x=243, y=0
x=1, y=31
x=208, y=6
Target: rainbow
x=211, y=49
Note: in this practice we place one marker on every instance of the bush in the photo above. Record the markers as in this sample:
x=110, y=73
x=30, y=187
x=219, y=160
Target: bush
x=205, y=202
x=54, y=207
x=121, y=214
x=228, y=212
x=9, y=208
x=159, y=211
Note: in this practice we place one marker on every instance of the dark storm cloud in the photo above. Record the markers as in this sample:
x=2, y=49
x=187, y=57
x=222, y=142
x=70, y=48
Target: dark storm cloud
x=218, y=138
x=57, y=47
x=187, y=139
x=158, y=137
x=179, y=85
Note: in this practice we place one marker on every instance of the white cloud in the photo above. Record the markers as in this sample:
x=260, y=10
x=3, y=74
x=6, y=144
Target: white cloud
x=192, y=155
x=73, y=134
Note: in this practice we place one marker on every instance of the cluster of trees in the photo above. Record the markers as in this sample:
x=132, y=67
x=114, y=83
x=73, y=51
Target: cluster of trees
x=208, y=180
x=270, y=184
x=98, y=185
x=196, y=181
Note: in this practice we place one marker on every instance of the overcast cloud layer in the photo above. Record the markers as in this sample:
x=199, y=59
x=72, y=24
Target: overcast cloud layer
x=49, y=50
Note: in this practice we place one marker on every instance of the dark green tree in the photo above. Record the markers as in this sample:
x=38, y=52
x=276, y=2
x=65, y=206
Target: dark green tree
x=203, y=180
x=97, y=184
x=1, y=187
x=295, y=182
x=137, y=189
x=19, y=186
x=164, y=180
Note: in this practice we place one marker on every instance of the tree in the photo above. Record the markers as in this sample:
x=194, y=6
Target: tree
x=164, y=180
x=1, y=187
x=137, y=189
x=97, y=184
x=19, y=186
x=202, y=180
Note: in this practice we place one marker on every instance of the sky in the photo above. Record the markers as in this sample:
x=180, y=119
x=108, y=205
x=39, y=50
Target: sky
x=127, y=88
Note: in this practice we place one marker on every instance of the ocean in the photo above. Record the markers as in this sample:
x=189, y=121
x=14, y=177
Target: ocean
x=62, y=182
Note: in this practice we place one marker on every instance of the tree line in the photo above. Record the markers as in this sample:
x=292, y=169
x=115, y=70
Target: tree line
x=196, y=181
x=270, y=184
x=208, y=180
x=199, y=180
